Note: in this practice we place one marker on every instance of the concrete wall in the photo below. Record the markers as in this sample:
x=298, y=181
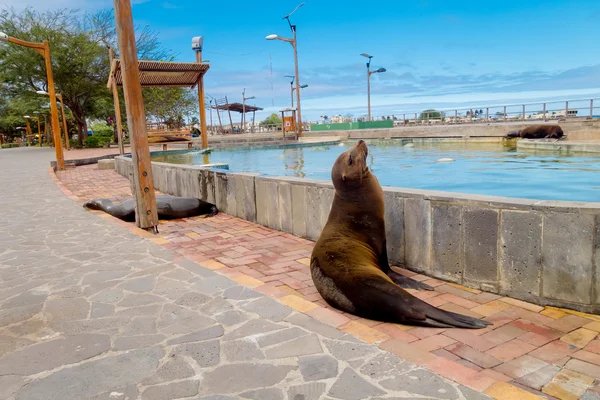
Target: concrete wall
x=545, y=252
x=575, y=129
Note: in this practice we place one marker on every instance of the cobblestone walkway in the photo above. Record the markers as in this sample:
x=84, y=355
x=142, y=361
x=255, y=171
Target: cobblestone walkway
x=89, y=310
x=539, y=351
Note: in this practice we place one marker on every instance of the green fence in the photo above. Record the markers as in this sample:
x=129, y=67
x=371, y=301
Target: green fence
x=353, y=125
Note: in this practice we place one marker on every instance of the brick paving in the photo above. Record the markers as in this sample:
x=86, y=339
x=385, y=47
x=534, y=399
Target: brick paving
x=529, y=352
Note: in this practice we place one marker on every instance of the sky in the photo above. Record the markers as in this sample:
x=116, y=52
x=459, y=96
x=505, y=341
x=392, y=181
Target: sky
x=438, y=53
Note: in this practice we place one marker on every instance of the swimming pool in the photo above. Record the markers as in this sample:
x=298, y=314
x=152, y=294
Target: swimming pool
x=477, y=168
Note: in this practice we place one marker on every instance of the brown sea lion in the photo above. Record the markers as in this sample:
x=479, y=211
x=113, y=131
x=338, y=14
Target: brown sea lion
x=538, y=132
x=349, y=263
x=168, y=207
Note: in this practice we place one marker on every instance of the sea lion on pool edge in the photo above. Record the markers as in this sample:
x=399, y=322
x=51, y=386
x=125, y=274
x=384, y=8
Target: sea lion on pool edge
x=349, y=263
x=538, y=132
x=168, y=207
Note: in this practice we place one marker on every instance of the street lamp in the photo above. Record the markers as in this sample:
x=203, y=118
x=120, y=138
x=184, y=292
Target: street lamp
x=64, y=119
x=293, y=42
x=244, y=98
x=301, y=87
x=369, y=73
x=39, y=125
x=44, y=50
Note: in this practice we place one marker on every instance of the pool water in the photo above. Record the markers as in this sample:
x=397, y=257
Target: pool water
x=478, y=168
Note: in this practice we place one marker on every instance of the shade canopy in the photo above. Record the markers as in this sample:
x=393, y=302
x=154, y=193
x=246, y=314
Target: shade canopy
x=237, y=107
x=161, y=73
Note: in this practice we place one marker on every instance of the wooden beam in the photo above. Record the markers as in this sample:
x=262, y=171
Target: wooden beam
x=203, y=129
x=60, y=159
x=143, y=186
x=115, y=92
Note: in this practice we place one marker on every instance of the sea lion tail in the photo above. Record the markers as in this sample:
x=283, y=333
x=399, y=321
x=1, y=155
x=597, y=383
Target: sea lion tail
x=442, y=318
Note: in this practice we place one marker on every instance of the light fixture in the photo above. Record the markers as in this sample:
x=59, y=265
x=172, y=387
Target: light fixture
x=26, y=116
x=3, y=37
x=42, y=92
x=381, y=70
x=272, y=37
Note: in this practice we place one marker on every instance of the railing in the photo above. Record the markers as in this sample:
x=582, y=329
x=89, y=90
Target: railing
x=548, y=111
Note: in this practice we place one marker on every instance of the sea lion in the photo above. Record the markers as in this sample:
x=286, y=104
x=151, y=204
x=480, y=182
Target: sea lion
x=168, y=207
x=349, y=263
x=538, y=132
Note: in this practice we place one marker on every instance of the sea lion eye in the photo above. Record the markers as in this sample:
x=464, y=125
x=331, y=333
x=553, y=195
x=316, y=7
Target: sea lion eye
x=350, y=160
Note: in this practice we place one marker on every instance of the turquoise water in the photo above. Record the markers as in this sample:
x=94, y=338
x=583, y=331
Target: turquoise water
x=489, y=169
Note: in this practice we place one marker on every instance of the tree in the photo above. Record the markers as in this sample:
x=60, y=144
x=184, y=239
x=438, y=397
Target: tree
x=272, y=119
x=169, y=105
x=79, y=48
x=430, y=114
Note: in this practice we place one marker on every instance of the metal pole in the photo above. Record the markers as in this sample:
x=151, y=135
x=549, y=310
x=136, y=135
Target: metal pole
x=487, y=114
x=566, y=109
x=523, y=114
x=591, y=108
x=292, y=92
x=295, y=45
x=64, y=119
x=544, y=112
x=203, y=129
x=243, y=111
x=143, y=185
x=504, y=113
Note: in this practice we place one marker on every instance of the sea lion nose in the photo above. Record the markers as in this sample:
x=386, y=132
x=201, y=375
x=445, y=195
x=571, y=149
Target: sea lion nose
x=360, y=141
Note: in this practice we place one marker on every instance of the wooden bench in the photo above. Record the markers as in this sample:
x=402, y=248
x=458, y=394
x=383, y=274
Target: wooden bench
x=166, y=137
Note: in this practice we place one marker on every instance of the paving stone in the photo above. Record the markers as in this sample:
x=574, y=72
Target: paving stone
x=468, y=353
x=192, y=300
x=318, y=367
x=347, y=350
x=128, y=392
x=264, y=394
x=134, y=300
x=242, y=350
x=100, y=310
x=280, y=336
x=136, y=342
x=386, y=365
x=174, y=369
x=422, y=382
x=313, y=325
x=94, y=377
x=216, y=305
x=297, y=347
x=108, y=296
x=49, y=355
x=18, y=314
x=140, y=326
x=568, y=385
x=103, y=276
x=229, y=318
x=352, y=386
x=308, y=391
x=9, y=384
x=205, y=334
x=206, y=354
x=536, y=380
x=235, y=378
x=253, y=327
x=171, y=391
x=152, y=310
x=25, y=299
x=521, y=366
x=213, y=284
x=584, y=368
x=240, y=293
x=268, y=308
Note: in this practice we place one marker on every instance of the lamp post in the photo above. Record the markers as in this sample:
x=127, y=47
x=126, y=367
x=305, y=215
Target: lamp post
x=293, y=42
x=44, y=50
x=64, y=119
x=39, y=125
x=28, y=129
x=244, y=98
x=369, y=73
x=197, y=45
x=301, y=87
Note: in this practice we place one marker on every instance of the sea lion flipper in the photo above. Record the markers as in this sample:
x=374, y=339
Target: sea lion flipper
x=407, y=283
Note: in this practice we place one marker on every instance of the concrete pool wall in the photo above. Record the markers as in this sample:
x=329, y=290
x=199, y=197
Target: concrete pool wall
x=545, y=252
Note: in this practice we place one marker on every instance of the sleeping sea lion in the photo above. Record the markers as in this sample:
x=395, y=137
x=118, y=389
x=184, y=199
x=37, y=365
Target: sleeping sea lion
x=168, y=207
x=349, y=263
x=538, y=132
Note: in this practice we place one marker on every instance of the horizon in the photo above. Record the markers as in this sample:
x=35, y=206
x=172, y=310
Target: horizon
x=437, y=55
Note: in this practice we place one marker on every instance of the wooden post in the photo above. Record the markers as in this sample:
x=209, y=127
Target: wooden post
x=40, y=130
x=146, y=215
x=60, y=159
x=64, y=120
x=229, y=111
x=203, y=129
x=115, y=92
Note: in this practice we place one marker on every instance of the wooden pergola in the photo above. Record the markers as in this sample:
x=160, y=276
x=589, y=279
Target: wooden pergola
x=161, y=74
x=236, y=107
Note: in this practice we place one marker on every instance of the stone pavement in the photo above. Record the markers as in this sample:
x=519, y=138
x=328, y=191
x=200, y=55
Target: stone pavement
x=89, y=310
x=538, y=351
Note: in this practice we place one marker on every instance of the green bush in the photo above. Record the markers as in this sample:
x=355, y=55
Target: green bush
x=97, y=141
x=103, y=130
x=9, y=145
